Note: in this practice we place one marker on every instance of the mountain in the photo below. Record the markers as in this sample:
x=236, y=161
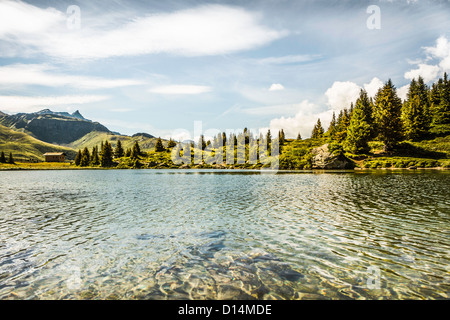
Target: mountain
x=52, y=127
x=95, y=139
x=76, y=114
x=24, y=146
x=142, y=134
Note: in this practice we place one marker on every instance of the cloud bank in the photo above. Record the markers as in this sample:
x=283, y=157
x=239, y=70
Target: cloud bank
x=205, y=30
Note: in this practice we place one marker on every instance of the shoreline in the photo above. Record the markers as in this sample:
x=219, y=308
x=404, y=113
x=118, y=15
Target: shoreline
x=19, y=167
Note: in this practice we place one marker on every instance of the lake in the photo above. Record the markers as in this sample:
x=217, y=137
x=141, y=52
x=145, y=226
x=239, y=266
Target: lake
x=224, y=234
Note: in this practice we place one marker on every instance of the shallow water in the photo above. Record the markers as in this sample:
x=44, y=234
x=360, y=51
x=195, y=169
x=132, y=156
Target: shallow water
x=186, y=234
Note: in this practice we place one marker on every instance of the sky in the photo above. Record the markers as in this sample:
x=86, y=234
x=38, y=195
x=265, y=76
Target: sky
x=178, y=68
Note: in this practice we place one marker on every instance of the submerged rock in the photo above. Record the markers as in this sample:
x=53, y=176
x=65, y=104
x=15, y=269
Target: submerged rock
x=324, y=159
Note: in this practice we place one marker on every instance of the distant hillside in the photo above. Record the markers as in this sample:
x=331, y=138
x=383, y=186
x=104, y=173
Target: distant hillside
x=25, y=147
x=143, y=134
x=95, y=139
x=52, y=127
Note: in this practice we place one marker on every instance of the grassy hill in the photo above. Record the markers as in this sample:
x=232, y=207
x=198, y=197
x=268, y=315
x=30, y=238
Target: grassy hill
x=95, y=139
x=25, y=147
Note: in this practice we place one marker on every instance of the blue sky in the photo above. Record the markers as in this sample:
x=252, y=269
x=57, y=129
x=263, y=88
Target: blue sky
x=158, y=66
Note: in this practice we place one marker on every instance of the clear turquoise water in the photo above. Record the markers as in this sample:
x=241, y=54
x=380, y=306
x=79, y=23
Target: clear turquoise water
x=175, y=234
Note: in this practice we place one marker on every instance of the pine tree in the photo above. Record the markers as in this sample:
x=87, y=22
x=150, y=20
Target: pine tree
x=435, y=100
x=10, y=159
x=85, y=157
x=246, y=136
x=363, y=102
x=128, y=152
x=332, y=128
x=415, y=111
x=135, y=151
x=387, y=113
x=281, y=137
x=201, y=142
x=424, y=93
x=107, y=155
x=268, y=136
x=442, y=111
x=78, y=158
x=359, y=130
x=2, y=158
x=95, y=160
x=317, y=131
x=343, y=121
x=171, y=143
x=159, y=147
x=118, y=152
x=299, y=137
x=137, y=148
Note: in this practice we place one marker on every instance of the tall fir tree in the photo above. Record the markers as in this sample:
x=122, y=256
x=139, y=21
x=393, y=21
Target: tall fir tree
x=387, y=114
x=159, y=147
x=107, y=155
x=299, y=137
x=415, y=109
x=442, y=111
x=78, y=158
x=85, y=157
x=359, y=129
x=135, y=151
x=435, y=100
x=281, y=137
x=317, y=131
x=137, y=148
x=118, y=151
x=95, y=160
x=342, y=123
x=332, y=127
x=2, y=158
x=10, y=159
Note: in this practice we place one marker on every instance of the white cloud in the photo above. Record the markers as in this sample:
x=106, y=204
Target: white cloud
x=22, y=18
x=205, y=30
x=442, y=52
x=373, y=86
x=44, y=75
x=428, y=72
x=31, y=104
x=276, y=87
x=180, y=89
x=431, y=72
x=403, y=91
x=288, y=59
x=342, y=94
x=303, y=121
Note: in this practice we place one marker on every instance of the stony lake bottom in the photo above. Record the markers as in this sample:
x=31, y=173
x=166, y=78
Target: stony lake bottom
x=224, y=234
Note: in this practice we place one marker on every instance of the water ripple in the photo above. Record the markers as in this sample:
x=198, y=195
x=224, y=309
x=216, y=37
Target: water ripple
x=174, y=234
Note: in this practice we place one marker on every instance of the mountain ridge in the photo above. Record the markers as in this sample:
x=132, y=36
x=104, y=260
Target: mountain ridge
x=52, y=127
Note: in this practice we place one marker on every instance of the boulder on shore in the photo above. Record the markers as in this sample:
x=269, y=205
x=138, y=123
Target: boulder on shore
x=324, y=159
